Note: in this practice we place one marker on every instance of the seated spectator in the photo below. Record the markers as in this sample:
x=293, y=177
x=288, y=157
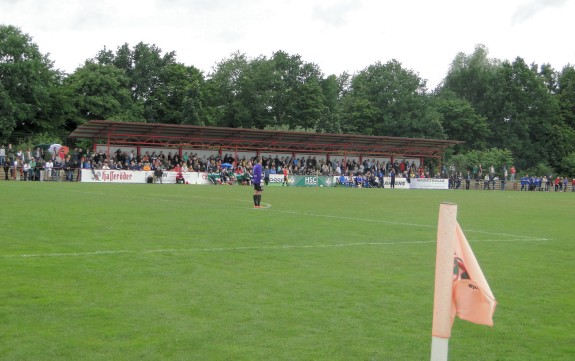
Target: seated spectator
x=134, y=166
x=180, y=178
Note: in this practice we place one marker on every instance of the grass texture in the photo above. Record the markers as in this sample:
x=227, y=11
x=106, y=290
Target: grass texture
x=177, y=272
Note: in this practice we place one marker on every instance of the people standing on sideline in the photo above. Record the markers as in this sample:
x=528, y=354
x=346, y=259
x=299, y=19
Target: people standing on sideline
x=392, y=180
x=158, y=173
x=257, y=181
x=513, y=171
x=69, y=166
x=267, y=175
x=6, y=171
x=467, y=180
x=48, y=169
x=285, y=182
x=2, y=155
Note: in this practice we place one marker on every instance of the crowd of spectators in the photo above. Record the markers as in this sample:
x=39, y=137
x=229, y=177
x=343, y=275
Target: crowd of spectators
x=36, y=165
x=351, y=167
x=41, y=164
x=546, y=183
x=20, y=163
x=488, y=180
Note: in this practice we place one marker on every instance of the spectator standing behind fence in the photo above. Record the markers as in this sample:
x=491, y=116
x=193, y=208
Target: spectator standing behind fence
x=17, y=167
x=10, y=158
x=2, y=155
x=69, y=167
x=58, y=165
x=6, y=171
x=48, y=169
x=267, y=175
x=32, y=170
x=38, y=171
x=26, y=170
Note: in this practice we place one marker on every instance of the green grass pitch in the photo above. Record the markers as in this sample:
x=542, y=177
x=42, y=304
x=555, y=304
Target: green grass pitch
x=176, y=272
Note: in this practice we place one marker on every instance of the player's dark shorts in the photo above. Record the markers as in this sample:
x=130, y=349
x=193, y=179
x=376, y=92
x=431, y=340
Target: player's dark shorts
x=258, y=187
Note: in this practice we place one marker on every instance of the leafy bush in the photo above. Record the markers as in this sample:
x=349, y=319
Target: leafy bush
x=494, y=156
x=540, y=169
x=39, y=138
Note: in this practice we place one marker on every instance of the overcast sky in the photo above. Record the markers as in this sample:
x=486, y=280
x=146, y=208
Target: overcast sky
x=339, y=35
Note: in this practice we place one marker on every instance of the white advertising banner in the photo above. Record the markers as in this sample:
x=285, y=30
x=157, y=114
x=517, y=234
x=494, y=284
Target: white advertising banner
x=113, y=176
x=400, y=183
x=138, y=176
x=429, y=183
x=201, y=178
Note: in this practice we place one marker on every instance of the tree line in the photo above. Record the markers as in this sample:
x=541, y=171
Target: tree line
x=523, y=111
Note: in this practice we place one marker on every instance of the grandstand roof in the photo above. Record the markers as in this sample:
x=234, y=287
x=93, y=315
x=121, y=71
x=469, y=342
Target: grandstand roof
x=239, y=139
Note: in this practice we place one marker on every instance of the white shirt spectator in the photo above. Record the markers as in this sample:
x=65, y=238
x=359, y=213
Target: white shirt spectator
x=48, y=166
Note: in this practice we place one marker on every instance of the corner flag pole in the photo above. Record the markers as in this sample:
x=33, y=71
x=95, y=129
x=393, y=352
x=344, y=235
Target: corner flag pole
x=442, y=299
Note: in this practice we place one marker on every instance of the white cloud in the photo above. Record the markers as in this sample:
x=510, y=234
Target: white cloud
x=530, y=9
x=335, y=14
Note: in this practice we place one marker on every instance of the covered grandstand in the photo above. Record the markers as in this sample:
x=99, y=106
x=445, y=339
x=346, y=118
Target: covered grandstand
x=139, y=135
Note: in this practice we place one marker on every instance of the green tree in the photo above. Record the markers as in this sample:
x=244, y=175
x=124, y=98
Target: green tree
x=164, y=90
x=177, y=96
x=28, y=83
x=262, y=92
x=224, y=89
x=549, y=77
x=566, y=95
x=332, y=90
x=297, y=95
x=460, y=122
x=525, y=116
x=518, y=102
x=471, y=77
x=569, y=164
x=386, y=99
x=498, y=158
x=102, y=92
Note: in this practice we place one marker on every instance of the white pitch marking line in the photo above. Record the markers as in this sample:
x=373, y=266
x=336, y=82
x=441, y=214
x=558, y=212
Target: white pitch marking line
x=399, y=223
x=268, y=206
x=248, y=248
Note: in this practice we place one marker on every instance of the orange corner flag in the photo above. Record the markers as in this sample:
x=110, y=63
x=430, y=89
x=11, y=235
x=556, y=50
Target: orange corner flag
x=472, y=298
x=460, y=287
